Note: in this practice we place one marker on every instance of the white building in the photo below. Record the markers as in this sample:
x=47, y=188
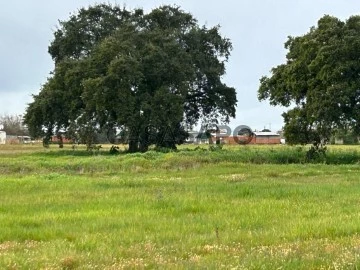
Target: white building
x=2, y=137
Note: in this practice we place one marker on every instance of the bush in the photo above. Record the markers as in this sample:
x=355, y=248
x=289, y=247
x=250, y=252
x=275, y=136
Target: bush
x=114, y=150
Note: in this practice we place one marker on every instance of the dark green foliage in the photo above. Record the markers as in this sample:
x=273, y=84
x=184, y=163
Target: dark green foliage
x=114, y=150
x=321, y=78
x=149, y=74
x=76, y=37
x=316, y=153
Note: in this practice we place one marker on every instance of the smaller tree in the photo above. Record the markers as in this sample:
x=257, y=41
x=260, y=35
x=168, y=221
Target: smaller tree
x=320, y=80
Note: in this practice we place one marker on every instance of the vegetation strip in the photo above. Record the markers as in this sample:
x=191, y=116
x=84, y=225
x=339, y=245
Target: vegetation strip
x=221, y=214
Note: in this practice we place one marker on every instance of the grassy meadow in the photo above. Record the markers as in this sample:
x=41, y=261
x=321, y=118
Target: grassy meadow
x=244, y=207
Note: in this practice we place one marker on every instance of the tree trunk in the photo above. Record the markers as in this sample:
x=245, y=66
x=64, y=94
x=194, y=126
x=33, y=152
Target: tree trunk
x=144, y=142
x=133, y=146
x=60, y=139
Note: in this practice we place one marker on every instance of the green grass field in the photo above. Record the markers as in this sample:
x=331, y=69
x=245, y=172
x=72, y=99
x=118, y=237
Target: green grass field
x=236, y=208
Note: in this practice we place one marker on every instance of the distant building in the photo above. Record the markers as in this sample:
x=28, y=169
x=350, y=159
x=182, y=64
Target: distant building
x=257, y=138
x=2, y=137
x=24, y=139
x=196, y=137
x=266, y=138
x=56, y=139
x=339, y=140
x=193, y=136
x=13, y=139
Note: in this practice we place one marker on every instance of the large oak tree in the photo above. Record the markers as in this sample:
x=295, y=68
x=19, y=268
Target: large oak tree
x=151, y=74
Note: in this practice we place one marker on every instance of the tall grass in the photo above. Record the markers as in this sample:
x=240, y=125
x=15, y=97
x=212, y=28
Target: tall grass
x=55, y=160
x=64, y=209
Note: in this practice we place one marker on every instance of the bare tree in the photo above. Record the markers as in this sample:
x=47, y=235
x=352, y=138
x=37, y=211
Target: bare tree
x=13, y=125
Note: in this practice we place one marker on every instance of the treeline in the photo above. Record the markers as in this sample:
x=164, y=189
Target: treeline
x=13, y=125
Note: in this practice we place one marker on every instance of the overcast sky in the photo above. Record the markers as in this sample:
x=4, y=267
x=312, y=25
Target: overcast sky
x=257, y=29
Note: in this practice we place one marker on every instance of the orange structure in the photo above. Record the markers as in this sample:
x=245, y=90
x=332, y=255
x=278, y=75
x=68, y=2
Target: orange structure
x=55, y=139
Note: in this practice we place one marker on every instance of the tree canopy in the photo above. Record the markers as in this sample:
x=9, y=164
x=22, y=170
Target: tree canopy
x=320, y=80
x=151, y=74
